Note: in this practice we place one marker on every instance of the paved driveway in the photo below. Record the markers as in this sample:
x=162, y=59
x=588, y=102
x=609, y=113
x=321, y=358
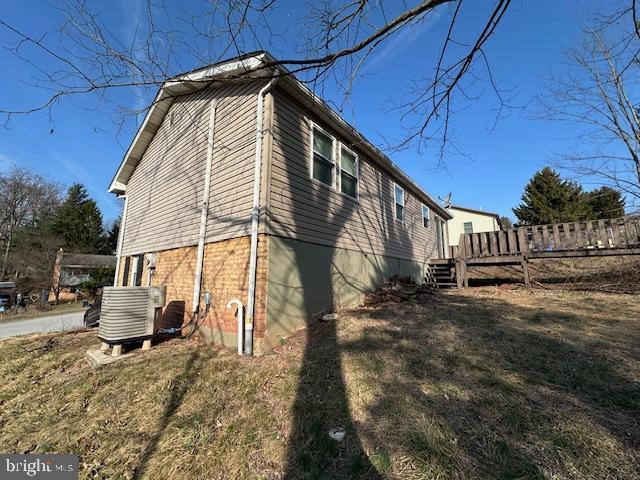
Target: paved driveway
x=51, y=323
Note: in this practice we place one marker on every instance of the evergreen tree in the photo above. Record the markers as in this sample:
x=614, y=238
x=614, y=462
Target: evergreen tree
x=604, y=202
x=111, y=237
x=549, y=199
x=78, y=222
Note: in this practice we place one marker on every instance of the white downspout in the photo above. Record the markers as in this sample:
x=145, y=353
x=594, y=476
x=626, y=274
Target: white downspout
x=123, y=222
x=255, y=218
x=197, y=281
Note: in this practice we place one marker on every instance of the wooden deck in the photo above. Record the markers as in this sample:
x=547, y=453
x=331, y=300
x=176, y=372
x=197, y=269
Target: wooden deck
x=616, y=236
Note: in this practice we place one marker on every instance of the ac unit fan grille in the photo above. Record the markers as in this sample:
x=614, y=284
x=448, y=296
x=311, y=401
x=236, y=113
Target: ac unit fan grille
x=125, y=314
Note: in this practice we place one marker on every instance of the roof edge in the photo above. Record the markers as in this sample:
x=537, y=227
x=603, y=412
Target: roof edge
x=473, y=210
x=171, y=89
x=253, y=62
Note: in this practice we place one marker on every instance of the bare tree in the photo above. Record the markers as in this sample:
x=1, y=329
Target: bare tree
x=601, y=95
x=25, y=198
x=335, y=40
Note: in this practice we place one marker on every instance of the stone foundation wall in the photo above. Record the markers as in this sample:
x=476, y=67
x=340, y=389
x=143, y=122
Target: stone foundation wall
x=225, y=275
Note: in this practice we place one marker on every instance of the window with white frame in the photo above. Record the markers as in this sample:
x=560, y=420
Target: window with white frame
x=468, y=227
x=138, y=267
x=322, y=163
x=399, y=202
x=425, y=216
x=348, y=172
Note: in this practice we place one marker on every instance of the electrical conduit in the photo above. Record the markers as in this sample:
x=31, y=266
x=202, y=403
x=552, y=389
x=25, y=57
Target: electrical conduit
x=123, y=222
x=197, y=281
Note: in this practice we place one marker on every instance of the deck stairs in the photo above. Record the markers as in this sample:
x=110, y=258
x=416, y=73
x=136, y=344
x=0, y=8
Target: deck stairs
x=441, y=273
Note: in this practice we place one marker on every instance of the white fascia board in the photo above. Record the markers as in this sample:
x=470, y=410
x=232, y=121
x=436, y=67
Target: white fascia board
x=115, y=182
x=234, y=66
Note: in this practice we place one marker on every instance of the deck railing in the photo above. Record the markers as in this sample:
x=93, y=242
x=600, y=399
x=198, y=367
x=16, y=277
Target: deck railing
x=616, y=233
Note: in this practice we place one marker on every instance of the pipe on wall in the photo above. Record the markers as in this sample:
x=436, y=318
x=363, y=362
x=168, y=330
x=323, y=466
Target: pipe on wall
x=240, y=314
x=123, y=222
x=255, y=218
x=197, y=281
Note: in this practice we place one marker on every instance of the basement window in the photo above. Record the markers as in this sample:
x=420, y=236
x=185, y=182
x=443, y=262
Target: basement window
x=138, y=268
x=348, y=172
x=425, y=216
x=322, y=161
x=399, y=202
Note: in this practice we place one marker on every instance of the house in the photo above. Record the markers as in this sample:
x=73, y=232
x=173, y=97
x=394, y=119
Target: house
x=243, y=183
x=72, y=269
x=469, y=220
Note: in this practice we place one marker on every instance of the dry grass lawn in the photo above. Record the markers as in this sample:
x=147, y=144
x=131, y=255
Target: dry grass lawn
x=490, y=383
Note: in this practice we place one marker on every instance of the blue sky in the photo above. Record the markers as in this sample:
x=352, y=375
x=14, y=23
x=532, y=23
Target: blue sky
x=491, y=174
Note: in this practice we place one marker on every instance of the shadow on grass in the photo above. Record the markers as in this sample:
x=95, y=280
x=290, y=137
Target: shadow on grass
x=500, y=398
x=178, y=389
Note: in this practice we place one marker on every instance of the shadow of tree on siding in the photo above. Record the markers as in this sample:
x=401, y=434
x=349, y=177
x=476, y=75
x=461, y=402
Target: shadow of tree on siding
x=321, y=402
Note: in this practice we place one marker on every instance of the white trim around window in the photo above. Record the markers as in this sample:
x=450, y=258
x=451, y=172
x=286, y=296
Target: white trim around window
x=426, y=215
x=352, y=178
x=399, y=203
x=322, y=157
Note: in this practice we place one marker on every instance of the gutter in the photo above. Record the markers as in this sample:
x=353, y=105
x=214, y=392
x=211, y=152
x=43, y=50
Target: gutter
x=255, y=218
x=204, y=213
x=123, y=223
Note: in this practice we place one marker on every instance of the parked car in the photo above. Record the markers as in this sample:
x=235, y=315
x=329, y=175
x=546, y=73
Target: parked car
x=92, y=314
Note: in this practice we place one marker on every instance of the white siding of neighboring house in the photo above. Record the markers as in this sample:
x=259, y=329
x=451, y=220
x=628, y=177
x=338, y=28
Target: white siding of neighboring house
x=480, y=222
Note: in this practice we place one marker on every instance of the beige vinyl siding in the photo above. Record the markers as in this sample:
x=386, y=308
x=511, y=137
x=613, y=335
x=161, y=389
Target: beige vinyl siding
x=165, y=190
x=305, y=209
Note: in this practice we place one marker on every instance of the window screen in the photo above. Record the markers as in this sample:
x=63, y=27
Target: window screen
x=399, y=202
x=348, y=173
x=323, y=163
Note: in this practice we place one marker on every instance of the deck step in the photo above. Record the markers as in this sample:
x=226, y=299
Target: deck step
x=441, y=273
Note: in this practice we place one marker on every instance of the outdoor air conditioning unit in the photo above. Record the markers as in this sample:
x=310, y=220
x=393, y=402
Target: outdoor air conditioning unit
x=129, y=313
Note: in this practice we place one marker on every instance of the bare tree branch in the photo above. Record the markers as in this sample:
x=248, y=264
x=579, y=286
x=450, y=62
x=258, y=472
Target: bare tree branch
x=600, y=94
x=87, y=59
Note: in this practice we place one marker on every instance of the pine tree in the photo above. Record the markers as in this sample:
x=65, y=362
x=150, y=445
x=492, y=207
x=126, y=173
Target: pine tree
x=604, y=202
x=549, y=199
x=111, y=237
x=78, y=222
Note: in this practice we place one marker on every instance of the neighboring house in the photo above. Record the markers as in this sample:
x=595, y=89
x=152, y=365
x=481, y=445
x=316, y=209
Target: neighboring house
x=468, y=220
x=303, y=214
x=72, y=269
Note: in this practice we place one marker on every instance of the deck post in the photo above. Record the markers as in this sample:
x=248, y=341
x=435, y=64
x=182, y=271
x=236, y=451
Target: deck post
x=459, y=274
x=525, y=272
x=464, y=249
x=465, y=274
